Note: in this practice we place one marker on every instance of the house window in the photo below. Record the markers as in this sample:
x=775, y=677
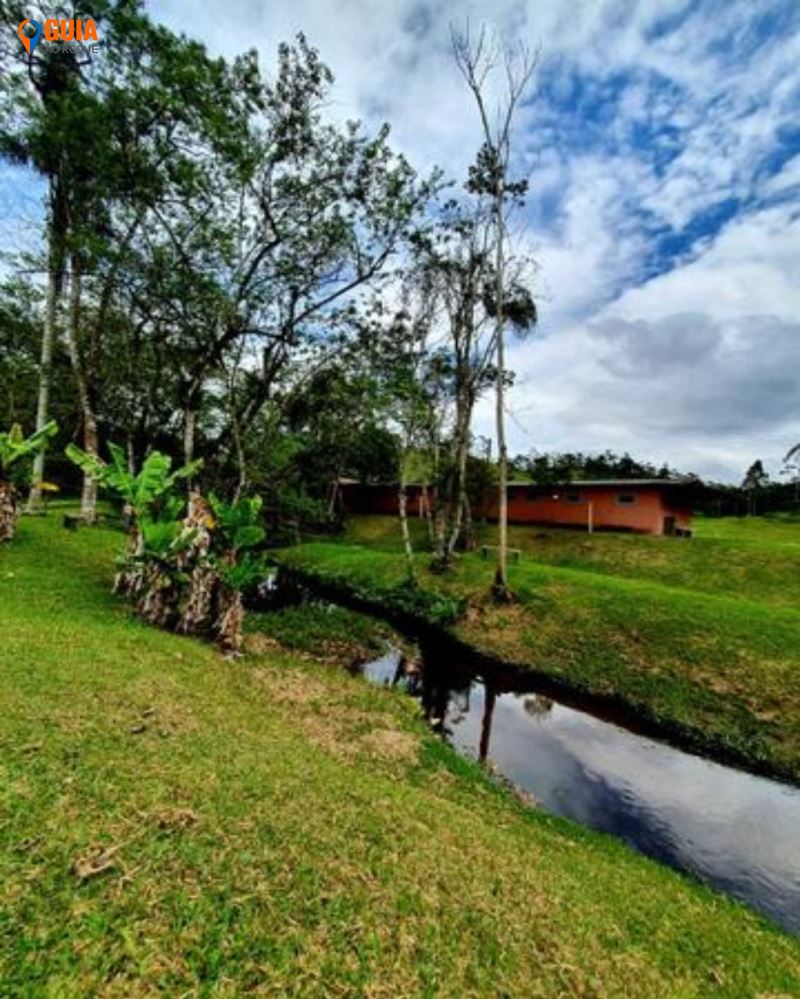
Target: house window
x=572, y=496
x=626, y=499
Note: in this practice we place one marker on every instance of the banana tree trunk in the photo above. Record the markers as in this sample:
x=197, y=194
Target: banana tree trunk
x=197, y=616
x=8, y=511
x=230, y=624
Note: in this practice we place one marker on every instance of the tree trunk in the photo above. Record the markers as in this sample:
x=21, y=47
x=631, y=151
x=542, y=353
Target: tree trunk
x=501, y=573
x=470, y=541
x=332, y=505
x=460, y=488
x=8, y=511
x=189, y=432
x=54, y=281
x=439, y=562
x=88, y=416
x=501, y=590
x=230, y=623
x=426, y=506
x=402, y=505
x=197, y=615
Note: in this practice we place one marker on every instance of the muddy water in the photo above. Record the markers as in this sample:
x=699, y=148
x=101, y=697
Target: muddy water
x=737, y=832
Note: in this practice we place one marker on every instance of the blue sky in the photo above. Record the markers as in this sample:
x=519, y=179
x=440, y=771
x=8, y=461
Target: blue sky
x=662, y=146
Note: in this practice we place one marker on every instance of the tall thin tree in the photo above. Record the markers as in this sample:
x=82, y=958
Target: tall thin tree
x=478, y=60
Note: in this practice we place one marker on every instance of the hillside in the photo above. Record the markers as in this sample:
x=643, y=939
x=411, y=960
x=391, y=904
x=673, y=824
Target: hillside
x=174, y=823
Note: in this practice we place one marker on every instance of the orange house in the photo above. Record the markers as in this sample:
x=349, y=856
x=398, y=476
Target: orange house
x=641, y=506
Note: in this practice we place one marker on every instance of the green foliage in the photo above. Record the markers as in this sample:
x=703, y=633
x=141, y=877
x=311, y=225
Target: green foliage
x=244, y=574
x=162, y=541
x=14, y=446
x=197, y=560
x=236, y=524
x=142, y=490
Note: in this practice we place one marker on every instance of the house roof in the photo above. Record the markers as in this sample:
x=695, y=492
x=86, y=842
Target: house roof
x=527, y=483
x=614, y=483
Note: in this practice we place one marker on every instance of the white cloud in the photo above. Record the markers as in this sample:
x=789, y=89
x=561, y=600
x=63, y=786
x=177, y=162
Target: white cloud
x=699, y=366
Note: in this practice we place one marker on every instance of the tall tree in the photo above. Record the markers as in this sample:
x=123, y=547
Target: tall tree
x=491, y=175
x=756, y=478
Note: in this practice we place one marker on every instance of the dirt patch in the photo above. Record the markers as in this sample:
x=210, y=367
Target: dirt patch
x=328, y=651
x=391, y=744
x=96, y=861
x=292, y=688
x=260, y=644
x=175, y=819
x=344, y=730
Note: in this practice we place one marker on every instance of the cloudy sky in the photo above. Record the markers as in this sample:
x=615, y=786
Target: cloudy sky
x=662, y=145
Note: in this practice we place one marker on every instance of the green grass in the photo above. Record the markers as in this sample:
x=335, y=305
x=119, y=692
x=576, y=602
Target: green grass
x=754, y=556
x=323, y=632
x=654, y=621
x=779, y=530
x=175, y=824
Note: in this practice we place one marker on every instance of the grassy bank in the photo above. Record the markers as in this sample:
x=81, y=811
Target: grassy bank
x=715, y=662
x=175, y=824
x=756, y=557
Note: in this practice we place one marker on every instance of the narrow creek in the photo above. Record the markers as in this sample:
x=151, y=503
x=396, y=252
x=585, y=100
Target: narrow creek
x=735, y=831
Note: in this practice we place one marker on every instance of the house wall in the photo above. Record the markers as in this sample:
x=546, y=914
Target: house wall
x=645, y=515
x=536, y=505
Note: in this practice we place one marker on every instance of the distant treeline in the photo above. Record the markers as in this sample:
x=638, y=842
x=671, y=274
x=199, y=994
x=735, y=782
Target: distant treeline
x=569, y=466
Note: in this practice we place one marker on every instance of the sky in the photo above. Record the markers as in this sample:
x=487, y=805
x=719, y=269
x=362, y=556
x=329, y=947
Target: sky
x=661, y=142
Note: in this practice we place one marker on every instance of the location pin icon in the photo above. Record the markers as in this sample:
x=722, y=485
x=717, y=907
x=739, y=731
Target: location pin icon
x=29, y=41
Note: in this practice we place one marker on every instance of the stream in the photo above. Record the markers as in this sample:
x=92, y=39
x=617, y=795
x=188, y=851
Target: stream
x=737, y=832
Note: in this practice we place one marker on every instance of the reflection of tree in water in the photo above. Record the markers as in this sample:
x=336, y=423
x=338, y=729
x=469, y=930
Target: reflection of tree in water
x=443, y=690
x=537, y=705
x=489, y=700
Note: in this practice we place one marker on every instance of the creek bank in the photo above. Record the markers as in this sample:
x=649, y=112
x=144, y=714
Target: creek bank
x=635, y=715
x=685, y=811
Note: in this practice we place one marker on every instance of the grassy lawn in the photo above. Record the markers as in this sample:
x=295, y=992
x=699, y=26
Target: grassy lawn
x=696, y=634
x=174, y=824
x=756, y=557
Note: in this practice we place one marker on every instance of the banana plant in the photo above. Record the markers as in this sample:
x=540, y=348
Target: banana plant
x=142, y=491
x=236, y=574
x=14, y=448
x=236, y=531
x=236, y=524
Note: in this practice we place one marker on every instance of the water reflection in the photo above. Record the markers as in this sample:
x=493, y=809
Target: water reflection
x=738, y=832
